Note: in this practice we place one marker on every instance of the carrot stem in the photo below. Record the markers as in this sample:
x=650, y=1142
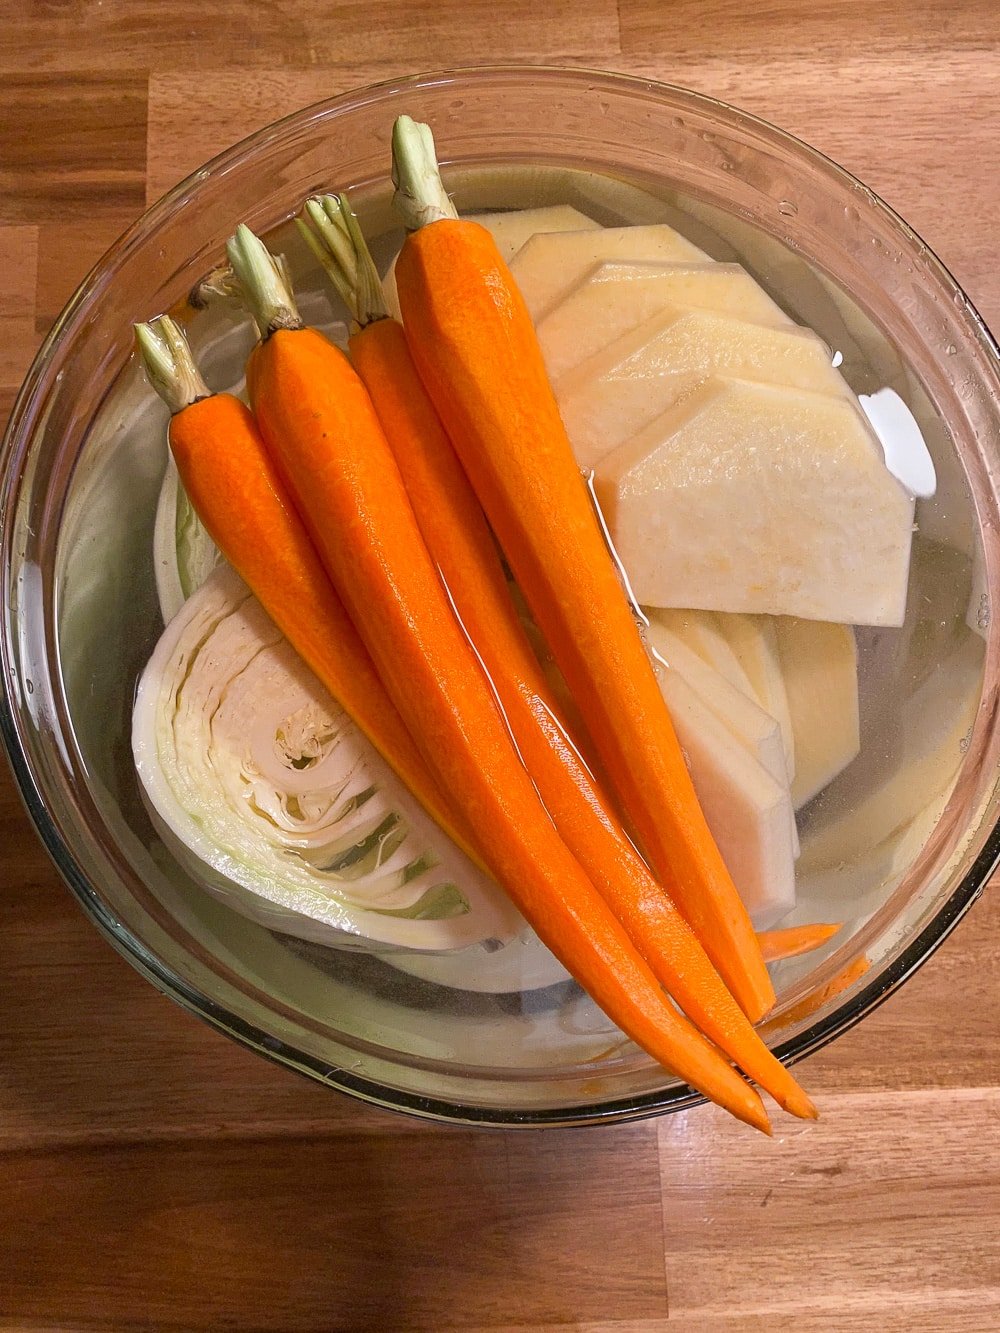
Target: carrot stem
x=262, y=283
x=335, y=238
x=169, y=365
x=420, y=194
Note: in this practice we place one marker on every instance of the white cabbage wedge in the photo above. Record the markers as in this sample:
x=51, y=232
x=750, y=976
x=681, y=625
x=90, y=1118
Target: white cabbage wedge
x=267, y=791
x=183, y=553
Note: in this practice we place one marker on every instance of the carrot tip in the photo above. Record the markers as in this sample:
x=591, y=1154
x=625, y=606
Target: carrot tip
x=754, y=1115
x=803, y=1106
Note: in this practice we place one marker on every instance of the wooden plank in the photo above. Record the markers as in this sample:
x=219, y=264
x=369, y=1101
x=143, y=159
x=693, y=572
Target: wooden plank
x=134, y=35
x=744, y=34
x=66, y=253
x=19, y=266
x=877, y=1212
x=336, y=1233
x=72, y=149
x=938, y=1320
x=192, y=118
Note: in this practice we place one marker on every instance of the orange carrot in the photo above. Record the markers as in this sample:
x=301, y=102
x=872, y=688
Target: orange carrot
x=236, y=492
x=461, y=545
x=318, y=422
x=475, y=348
x=845, y=978
x=794, y=940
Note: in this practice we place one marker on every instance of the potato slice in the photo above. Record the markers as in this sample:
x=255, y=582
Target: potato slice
x=513, y=229
x=701, y=632
x=745, y=808
x=549, y=265
x=750, y=497
x=908, y=765
x=613, y=298
x=608, y=398
x=819, y=667
x=743, y=718
x=754, y=642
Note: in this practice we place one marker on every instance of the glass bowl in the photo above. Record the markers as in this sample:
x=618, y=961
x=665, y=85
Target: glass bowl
x=912, y=824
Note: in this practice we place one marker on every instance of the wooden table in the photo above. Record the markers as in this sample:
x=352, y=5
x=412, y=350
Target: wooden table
x=155, y=1176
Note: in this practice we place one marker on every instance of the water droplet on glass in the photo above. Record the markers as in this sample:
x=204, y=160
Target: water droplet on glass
x=951, y=349
x=851, y=213
x=677, y=122
x=29, y=685
x=787, y=209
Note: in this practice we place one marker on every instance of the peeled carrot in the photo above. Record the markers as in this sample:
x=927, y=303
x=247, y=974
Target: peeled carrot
x=462, y=547
x=475, y=348
x=845, y=978
x=318, y=421
x=232, y=483
x=794, y=940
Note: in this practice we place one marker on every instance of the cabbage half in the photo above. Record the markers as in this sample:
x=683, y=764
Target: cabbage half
x=263, y=786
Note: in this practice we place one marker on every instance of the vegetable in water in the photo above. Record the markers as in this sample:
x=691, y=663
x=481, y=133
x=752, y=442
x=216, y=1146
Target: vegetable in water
x=266, y=789
x=614, y=299
x=511, y=230
x=794, y=940
x=244, y=505
x=608, y=398
x=760, y=498
x=183, y=553
x=317, y=419
x=475, y=347
x=549, y=266
x=462, y=547
x=819, y=669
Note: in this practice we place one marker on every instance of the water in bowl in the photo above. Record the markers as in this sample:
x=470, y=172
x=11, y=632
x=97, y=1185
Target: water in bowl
x=370, y=1015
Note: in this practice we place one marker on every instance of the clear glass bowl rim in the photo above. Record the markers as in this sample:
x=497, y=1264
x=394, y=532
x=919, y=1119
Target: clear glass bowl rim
x=12, y=455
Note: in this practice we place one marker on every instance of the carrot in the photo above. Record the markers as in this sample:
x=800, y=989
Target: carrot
x=794, y=940
x=461, y=545
x=236, y=492
x=475, y=348
x=845, y=978
x=318, y=422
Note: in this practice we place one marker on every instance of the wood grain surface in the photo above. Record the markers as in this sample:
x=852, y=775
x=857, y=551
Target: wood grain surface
x=156, y=1176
